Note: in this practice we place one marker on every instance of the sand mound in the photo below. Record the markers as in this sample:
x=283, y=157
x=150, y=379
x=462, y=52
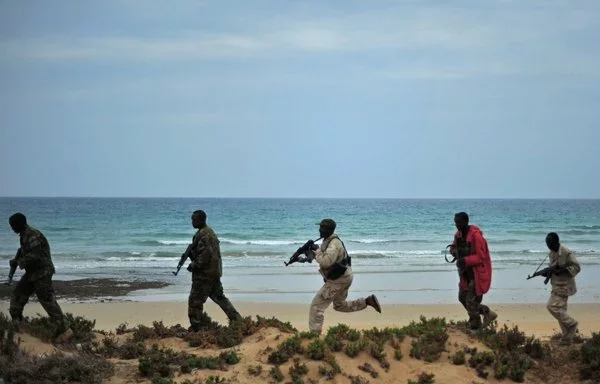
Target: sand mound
x=268, y=351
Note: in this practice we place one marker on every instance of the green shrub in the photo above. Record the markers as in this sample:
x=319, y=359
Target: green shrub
x=276, y=374
x=458, y=358
x=316, y=350
x=590, y=359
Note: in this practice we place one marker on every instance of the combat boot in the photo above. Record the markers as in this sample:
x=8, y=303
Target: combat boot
x=64, y=336
x=372, y=301
x=489, y=317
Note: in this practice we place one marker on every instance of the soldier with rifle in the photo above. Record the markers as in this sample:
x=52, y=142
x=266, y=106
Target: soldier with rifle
x=206, y=268
x=561, y=271
x=34, y=257
x=335, y=267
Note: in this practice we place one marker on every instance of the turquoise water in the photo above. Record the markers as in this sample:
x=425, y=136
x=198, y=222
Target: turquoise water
x=396, y=245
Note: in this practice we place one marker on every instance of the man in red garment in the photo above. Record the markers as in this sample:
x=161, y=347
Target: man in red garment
x=475, y=270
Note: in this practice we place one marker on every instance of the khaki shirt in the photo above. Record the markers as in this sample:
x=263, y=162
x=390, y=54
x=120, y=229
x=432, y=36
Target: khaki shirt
x=564, y=258
x=330, y=252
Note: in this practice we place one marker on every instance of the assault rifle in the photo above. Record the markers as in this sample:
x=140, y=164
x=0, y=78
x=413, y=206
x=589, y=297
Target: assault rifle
x=13, y=268
x=184, y=256
x=546, y=272
x=303, y=250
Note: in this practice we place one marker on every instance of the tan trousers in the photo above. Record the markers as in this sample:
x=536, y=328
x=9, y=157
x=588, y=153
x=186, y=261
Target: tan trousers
x=336, y=292
x=557, y=306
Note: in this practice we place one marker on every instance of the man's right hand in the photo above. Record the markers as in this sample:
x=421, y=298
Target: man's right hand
x=453, y=251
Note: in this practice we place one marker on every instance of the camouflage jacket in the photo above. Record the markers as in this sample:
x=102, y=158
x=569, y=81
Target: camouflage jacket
x=206, y=254
x=35, y=254
x=564, y=284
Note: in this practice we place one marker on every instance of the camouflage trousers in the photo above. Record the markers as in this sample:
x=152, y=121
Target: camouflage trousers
x=472, y=304
x=557, y=306
x=202, y=289
x=45, y=293
x=336, y=292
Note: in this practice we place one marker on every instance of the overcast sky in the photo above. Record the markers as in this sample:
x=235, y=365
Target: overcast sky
x=300, y=98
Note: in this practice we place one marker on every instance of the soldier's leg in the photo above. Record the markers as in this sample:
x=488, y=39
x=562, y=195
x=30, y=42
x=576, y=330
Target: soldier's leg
x=488, y=314
x=557, y=306
x=218, y=296
x=462, y=298
x=319, y=304
x=20, y=297
x=472, y=303
x=45, y=294
x=198, y=295
x=340, y=293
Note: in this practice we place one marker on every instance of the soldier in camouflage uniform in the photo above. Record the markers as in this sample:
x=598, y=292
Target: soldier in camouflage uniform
x=206, y=268
x=330, y=256
x=34, y=257
x=564, y=269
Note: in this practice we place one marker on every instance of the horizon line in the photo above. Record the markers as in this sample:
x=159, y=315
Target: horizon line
x=299, y=197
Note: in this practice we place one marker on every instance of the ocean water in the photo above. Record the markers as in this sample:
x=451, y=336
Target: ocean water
x=396, y=245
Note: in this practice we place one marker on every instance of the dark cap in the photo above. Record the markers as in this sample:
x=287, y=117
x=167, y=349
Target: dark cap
x=328, y=223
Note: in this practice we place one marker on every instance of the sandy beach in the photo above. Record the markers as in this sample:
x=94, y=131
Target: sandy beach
x=532, y=318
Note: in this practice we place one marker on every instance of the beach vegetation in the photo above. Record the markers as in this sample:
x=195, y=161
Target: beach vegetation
x=297, y=369
x=353, y=348
x=286, y=350
x=308, y=335
x=122, y=329
x=429, y=345
x=165, y=362
x=368, y=368
x=398, y=354
x=276, y=374
x=316, y=350
x=485, y=358
x=16, y=366
x=458, y=358
x=255, y=370
x=358, y=380
x=423, y=378
x=214, y=334
x=45, y=329
x=590, y=359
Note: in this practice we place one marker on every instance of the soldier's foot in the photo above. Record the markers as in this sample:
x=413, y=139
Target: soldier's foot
x=373, y=302
x=474, y=323
x=566, y=340
x=571, y=330
x=64, y=336
x=489, y=317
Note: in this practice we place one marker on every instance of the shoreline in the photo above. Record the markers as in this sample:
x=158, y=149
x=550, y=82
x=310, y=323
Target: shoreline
x=533, y=319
